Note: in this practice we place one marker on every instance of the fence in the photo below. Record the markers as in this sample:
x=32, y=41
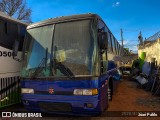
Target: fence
x=9, y=91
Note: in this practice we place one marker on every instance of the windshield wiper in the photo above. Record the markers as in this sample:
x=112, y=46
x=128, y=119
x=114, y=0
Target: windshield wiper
x=41, y=66
x=65, y=70
x=58, y=65
x=39, y=69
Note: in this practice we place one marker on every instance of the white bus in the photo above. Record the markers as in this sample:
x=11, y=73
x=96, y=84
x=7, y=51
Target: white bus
x=10, y=30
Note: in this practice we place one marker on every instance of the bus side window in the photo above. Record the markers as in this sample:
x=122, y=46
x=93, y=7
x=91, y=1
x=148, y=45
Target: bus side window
x=2, y=27
x=21, y=34
x=103, y=65
x=14, y=30
x=111, y=42
x=21, y=31
x=104, y=59
x=116, y=45
x=7, y=27
x=12, y=34
x=6, y=30
x=117, y=48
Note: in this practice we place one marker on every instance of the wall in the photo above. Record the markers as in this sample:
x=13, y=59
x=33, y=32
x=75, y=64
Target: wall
x=152, y=50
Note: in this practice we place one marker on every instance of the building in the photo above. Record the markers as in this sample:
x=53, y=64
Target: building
x=151, y=47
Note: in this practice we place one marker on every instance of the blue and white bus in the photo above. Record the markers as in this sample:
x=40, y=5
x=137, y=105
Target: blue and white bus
x=10, y=30
x=68, y=65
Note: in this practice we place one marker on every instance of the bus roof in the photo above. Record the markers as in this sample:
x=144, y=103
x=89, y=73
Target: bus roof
x=63, y=19
x=4, y=16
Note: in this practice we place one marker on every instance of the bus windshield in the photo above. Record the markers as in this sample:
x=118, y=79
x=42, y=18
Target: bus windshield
x=72, y=44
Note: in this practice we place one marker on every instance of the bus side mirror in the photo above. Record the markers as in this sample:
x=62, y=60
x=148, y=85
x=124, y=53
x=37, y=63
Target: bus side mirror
x=15, y=48
x=103, y=40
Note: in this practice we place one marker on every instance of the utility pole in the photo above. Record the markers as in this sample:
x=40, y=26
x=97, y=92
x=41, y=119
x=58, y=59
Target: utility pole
x=122, y=41
x=122, y=37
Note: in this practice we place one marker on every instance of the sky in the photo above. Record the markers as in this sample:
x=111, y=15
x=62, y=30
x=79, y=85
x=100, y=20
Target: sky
x=132, y=16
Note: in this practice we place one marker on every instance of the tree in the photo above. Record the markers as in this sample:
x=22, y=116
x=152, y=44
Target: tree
x=16, y=8
x=126, y=50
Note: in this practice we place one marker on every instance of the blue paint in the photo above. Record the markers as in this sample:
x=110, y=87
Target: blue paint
x=77, y=101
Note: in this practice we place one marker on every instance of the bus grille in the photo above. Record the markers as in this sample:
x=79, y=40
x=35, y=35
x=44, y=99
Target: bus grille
x=55, y=107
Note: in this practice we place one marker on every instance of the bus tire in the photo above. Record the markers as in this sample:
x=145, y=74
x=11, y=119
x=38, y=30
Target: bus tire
x=110, y=89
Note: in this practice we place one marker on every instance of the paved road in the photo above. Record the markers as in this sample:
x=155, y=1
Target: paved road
x=127, y=97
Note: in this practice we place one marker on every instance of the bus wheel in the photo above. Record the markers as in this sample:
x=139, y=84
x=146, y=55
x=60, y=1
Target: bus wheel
x=110, y=90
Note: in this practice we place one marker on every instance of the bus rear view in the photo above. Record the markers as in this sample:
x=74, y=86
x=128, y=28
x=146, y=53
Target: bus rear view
x=64, y=67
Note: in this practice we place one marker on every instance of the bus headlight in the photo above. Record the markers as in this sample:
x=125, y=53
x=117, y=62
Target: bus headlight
x=85, y=91
x=78, y=92
x=27, y=90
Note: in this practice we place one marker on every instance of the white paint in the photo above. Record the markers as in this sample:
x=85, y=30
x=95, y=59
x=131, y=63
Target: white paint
x=8, y=66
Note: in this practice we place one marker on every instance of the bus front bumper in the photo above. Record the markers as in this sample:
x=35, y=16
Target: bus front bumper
x=62, y=104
